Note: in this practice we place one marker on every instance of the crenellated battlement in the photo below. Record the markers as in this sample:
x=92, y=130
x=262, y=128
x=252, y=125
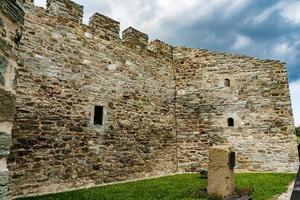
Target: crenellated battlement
x=70, y=14
x=100, y=26
x=105, y=27
x=67, y=11
x=134, y=38
x=160, y=47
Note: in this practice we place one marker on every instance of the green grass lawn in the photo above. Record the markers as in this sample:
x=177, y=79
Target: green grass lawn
x=182, y=187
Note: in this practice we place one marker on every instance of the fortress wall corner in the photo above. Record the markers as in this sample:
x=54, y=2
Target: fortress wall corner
x=252, y=93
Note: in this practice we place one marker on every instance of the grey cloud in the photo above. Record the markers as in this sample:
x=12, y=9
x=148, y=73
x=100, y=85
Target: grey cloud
x=218, y=33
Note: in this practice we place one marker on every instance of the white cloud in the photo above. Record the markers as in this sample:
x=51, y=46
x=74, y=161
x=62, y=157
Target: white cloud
x=150, y=16
x=90, y=8
x=288, y=9
x=241, y=42
x=295, y=96
x=264, y=15
x=41, y=3
x=235, y=6
x=291, y=11
x=283, y=49
x=286, y=52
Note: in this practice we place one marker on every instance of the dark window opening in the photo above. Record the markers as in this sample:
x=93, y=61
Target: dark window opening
x=98, y=115
x=227, y=82
x=230, y=122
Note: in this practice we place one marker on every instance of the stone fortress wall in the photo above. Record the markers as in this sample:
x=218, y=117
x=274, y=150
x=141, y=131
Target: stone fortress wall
x=163, y=106
x=67, y=68
x=258, y=101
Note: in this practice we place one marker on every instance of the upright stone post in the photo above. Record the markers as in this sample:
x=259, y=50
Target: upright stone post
x=220, y=170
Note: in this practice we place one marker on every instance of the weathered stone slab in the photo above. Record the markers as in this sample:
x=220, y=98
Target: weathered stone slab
x=5, y=142
x=1, y=22
x=220, y=176
x=3, y=66
x=3, y=178
x=7, y=105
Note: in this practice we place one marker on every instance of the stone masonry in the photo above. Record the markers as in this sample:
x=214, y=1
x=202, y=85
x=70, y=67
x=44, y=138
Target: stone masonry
x=258, y=100
x=221, y=181
x=11, y=18
x=160, y=107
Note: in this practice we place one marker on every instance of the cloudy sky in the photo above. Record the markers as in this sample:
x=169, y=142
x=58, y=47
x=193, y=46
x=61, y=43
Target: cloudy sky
x=265, y=29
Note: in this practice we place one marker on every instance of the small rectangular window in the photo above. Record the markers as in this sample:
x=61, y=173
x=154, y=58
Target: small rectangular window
x=98, y=115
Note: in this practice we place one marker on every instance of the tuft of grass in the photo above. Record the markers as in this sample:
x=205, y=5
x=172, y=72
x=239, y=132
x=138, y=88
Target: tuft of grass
x=183, y=187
